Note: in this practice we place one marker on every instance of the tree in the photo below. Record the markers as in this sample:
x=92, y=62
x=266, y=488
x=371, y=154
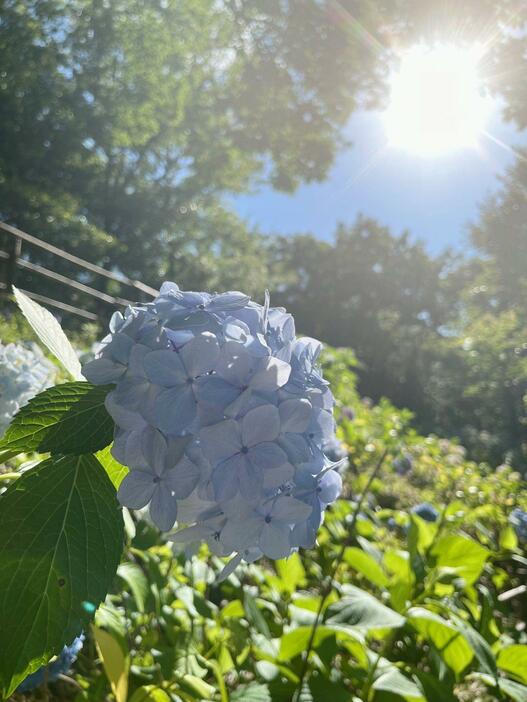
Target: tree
x=122, y=124
x=380, y=294
x=477, y=386
x=501, y=237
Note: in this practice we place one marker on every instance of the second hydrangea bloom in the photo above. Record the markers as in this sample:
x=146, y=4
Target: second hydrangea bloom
x=24, y=372
x=223, y=417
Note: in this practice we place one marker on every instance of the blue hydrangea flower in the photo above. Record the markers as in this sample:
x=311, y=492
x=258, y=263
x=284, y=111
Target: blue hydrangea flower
x=168, y=475
x=51, y=672
x=334, y=450
x=178, y=371
x=317, y=491
x=403, y=464
x=426, y=511
x=24, y=372
x=246, y=454
x=518, y=519
x=224, y=418
x=266, y=526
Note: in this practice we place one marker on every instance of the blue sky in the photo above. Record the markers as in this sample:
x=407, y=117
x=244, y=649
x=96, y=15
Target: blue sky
x=434, y=198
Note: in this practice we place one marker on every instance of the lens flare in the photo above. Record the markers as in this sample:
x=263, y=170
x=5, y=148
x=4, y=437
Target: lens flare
x=436, y=101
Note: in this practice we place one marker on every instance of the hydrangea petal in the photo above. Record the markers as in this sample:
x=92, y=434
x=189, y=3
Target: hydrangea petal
x=290, y=510
x=235, y=364
x=183, y=478
x=272, y=374
x=330, y=487
x=226, y=477
x=250, y=481
x=102, y=371
x=221, y=440
x=200, y=354
x=164, y=367
x=155, y=450
x=295, y=415
x=175, y=409
x=238, y=535
x=260, y=424
x=216, y=391
x=267, y=455
x=163, y=508
x=136, y=489
x=274, y=540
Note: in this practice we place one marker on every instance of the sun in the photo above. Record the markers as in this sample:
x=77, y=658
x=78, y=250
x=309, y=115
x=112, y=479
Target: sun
x=436, y=101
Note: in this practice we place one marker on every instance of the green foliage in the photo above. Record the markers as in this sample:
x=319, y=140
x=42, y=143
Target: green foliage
x=418, y=611
x=68, y=419
x=60, y=542
x=115, y=470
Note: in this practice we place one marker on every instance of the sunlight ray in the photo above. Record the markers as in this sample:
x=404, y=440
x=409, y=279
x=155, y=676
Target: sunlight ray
x=353, y=26
x=515, y=152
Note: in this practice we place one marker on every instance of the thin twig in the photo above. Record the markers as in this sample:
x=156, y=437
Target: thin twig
x=328, y=583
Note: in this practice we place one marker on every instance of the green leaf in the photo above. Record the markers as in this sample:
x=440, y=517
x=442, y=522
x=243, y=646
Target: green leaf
x=396, y=683
x=50, y=333
x=253, y=692
x=137, y=581
x=365, y=564
x=295, y=642
x=435, y=690
x=398, y=563
x=254, y=616
x=116, y=471
x=363, y=611
x=481, y=648
x=508, y=538
x=115, y=660
x=446, y=638
x=68, y=419
x=61, y=536
x=111, y=618
x=233, y=609
x=323, y=688
x=425, y=532
x=513, y=659
x=149, y=693
x=463, y=554
x=417, y=561
x=291, y=573
x=513, y=689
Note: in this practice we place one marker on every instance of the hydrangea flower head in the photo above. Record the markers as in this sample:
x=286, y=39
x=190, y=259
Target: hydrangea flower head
x=518, y=519
x=224, y=419
x=24, y=372
x=426, y=511
x=51, y=672
x=403, y=464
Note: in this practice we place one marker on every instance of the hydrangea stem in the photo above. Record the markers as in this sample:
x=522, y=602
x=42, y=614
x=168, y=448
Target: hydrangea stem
x=328, y=583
